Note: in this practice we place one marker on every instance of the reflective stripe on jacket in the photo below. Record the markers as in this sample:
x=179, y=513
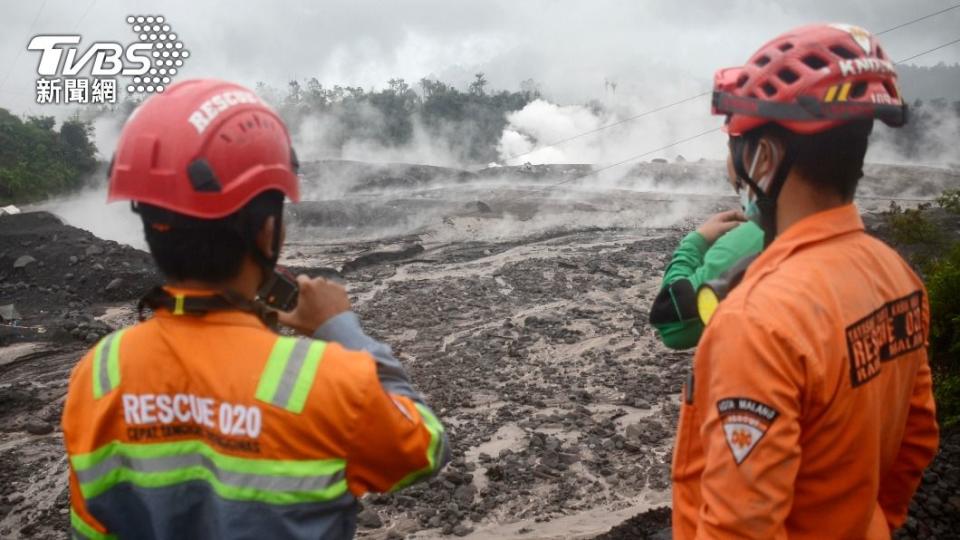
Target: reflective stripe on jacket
x=216, y=427
x=811, y=413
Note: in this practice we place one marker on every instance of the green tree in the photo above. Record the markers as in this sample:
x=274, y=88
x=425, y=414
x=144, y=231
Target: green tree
x=37, y=161
x=478, y=85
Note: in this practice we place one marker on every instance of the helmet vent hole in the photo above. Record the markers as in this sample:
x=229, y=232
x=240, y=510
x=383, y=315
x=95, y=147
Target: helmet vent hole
x=880, y=53
x=242, y=127
x=858, y=90
x=762, y=61
x=226, y=138
x=742, y=80
x=843, y=52
x=891, y=89
x=787, y=75
x=814, y=62
x=257, y=120
x=785, y=47
x=769, y=89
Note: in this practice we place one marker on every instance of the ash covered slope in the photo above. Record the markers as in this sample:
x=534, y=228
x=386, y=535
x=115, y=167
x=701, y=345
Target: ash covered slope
x=53, y=273
x=330, y=179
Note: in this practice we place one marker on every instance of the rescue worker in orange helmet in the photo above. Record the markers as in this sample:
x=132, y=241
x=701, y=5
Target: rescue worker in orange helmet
x=202, y=422
x=809, y=413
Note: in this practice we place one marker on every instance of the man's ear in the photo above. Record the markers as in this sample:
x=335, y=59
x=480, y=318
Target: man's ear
x=770, y=155
x=265, y=237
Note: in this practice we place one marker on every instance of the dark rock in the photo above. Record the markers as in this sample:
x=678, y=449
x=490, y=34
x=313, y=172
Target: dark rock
x=646, y=431
x=37, y=427
x=369, y=518
x=464, y=495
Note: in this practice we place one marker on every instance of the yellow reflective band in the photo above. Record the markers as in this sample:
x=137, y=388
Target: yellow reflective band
x=844, y=91
x=707, y=303
x=831, y=93
x=106, y=364
x=178, y=305
x=435, y=450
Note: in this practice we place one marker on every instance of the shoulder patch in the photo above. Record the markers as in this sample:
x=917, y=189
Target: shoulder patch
x=745, y=421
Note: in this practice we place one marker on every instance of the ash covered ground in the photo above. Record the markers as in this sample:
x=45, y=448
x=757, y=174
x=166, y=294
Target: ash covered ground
x=519, y=306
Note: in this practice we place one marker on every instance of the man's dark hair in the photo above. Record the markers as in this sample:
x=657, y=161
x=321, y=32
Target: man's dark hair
x=206, y=250
x=830, y=160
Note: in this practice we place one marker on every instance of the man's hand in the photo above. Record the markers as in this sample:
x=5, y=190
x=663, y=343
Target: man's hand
x=319, y=301
x=718, y=224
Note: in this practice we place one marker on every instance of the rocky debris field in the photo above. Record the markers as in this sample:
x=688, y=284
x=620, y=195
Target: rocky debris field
x=540, y=359
x=54, y=274
x=521, y=314
x=935, y=510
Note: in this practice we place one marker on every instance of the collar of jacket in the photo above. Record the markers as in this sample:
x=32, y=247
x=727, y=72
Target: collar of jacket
x=230, y=317
x=812, y=229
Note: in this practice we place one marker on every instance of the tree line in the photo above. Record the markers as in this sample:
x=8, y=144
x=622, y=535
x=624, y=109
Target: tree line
x=470, y=121
x=39, y=159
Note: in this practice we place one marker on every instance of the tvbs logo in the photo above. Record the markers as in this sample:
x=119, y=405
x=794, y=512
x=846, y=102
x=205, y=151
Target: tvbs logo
x=108, y=58
x=150, y=63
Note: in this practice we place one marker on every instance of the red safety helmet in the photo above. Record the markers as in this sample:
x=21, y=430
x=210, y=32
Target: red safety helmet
x=809, y=80
x=203, y=148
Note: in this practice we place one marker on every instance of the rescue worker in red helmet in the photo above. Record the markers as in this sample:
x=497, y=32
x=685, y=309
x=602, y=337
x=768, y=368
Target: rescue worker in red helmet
x=202, y=422
x=809, y=412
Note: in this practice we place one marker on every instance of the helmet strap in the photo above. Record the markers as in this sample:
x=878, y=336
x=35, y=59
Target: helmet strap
x=265, y=262
x=766, y=199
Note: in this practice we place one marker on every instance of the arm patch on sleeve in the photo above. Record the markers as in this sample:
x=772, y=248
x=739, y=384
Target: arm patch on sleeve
x=676, y=302
x=745, y=422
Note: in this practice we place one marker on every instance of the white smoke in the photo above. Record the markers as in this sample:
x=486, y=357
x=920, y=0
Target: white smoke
x=89, y=210
x=320, y=136
x=106, y=133
x=541, y=121
x=935, y=145
x=531, y=133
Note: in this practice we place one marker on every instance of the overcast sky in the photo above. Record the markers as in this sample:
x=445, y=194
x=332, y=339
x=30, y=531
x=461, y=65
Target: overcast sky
x=653, y=50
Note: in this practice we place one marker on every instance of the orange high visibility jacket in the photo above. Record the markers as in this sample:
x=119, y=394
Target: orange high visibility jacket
x=215, y=427
x=809, y=413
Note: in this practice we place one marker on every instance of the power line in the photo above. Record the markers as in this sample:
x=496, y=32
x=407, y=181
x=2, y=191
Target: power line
x=636, y=157
x=903, y=199
x=707, y=132
x=691, y=98
x=76, y=25
x=908, y=23
x=607, y=126
x=16, y=59
x=937, y=48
